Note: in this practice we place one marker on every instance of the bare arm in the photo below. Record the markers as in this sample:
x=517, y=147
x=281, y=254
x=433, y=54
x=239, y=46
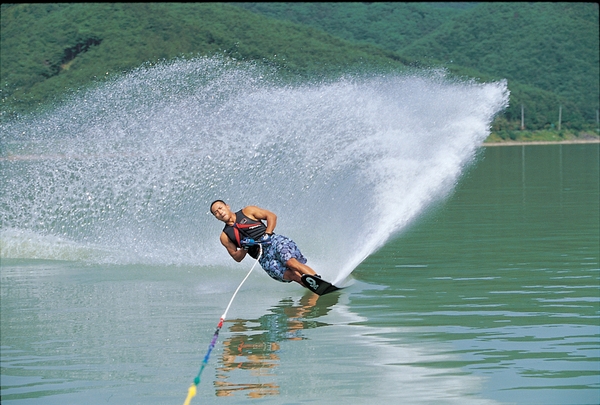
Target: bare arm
x=257, y=214
x=237, y=254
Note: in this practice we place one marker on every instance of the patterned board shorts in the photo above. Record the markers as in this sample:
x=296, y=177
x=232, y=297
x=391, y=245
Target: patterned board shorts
x=276, y=254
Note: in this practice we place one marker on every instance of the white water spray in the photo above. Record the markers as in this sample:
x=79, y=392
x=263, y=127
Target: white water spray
x=125, y=173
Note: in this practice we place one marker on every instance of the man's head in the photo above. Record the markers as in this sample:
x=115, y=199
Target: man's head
x=216, y=202
x=220, y=210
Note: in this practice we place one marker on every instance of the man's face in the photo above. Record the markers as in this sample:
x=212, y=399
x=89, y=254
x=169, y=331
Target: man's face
x=221, y=211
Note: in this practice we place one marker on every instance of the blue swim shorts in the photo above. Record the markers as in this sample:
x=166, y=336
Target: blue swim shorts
x=275, y=255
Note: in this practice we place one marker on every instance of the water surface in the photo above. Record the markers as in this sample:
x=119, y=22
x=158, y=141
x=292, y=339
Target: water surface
x=490, y=298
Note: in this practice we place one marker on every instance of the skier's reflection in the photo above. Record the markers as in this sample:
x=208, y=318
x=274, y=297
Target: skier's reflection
x=255, y=343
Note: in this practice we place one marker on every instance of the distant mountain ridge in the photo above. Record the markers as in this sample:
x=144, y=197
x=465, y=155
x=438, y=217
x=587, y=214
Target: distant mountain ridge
x=547, y=51
x=50, y=49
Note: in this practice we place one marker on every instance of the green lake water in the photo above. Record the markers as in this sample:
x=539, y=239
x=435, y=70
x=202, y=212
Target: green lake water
x=491, y=297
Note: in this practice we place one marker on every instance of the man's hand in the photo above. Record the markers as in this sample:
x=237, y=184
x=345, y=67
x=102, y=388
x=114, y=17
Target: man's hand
x=247, y=243
x=265, y=239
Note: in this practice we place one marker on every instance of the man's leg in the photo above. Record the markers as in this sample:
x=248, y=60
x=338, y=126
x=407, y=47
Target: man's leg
x=296, y=270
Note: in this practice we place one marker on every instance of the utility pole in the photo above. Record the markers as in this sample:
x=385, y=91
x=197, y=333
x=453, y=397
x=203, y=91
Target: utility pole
x=559, y=116
x=522, y=117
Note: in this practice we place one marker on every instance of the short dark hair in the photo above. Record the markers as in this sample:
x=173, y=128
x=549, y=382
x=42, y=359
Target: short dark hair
x=213, y=203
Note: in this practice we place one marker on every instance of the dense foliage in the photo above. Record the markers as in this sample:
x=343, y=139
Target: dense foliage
x=547, y=51
x=552, y=47
x=392, y=26
x=49, y=49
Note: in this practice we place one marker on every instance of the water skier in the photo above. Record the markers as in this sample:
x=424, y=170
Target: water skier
x=281, y=258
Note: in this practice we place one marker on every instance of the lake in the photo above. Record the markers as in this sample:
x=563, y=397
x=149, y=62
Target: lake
x=490, y=297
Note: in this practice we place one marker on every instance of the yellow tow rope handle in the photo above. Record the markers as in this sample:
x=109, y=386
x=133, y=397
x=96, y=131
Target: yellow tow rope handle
x=191, y=394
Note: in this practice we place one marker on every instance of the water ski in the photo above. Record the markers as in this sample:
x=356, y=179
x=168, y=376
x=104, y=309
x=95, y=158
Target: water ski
x=318, y=286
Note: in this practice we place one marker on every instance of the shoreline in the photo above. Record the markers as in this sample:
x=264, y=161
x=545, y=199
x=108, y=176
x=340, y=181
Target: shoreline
x=484, y=144
x=524, y=143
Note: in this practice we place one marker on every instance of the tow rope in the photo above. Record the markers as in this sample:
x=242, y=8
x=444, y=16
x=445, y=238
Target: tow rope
x=193, y=388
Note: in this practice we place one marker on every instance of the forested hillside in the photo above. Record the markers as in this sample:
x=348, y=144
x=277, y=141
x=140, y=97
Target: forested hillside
x=50, y=48
x=549, y=46
x=548, y=52
x=390, y=25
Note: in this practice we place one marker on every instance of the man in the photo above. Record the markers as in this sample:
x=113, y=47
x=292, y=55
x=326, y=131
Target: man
x=280, y=258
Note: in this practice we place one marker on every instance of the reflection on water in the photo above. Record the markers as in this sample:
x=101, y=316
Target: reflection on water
x=252, y=352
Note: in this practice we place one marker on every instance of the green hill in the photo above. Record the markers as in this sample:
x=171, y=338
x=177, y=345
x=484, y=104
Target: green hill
x=547, y=51
x=392, y=26
x=552, y=47
x=49, y=49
